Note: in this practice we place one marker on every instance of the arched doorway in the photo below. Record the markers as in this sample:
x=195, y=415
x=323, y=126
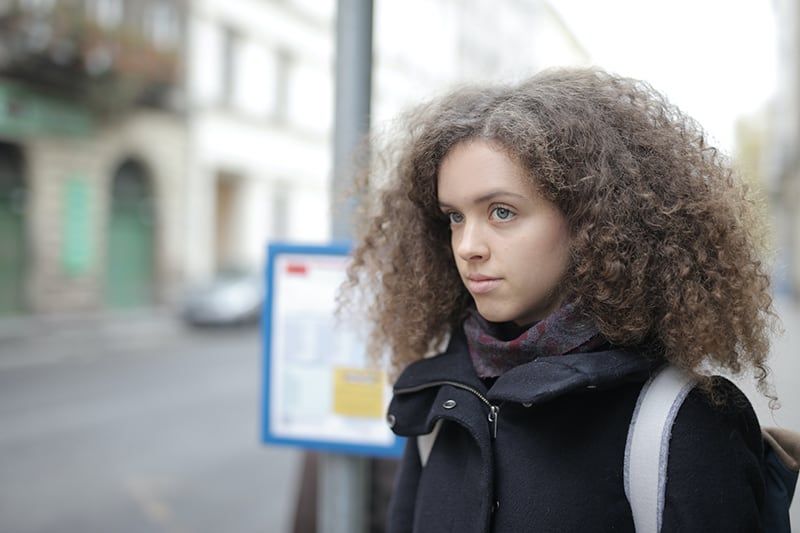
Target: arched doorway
x=130, y=258
x=13, y=254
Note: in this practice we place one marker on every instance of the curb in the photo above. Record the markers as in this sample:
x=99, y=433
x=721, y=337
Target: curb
x=89, y=324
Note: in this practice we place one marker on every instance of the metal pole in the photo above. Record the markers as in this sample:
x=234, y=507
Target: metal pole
x=344, y=480
x=353, y=101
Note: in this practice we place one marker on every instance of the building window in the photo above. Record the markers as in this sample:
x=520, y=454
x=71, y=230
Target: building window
x=283, y=67
x=162, y=26
x=37, y=6
x=280, y=210
x=107, y=14
x=229, y=41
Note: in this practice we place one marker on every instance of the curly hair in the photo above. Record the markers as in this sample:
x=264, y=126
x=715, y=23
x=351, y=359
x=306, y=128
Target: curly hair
x=666, y=240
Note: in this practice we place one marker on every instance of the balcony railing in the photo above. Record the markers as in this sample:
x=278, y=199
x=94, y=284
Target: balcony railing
x=109, y=53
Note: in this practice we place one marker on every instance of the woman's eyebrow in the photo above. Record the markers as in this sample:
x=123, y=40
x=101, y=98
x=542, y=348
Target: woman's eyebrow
x=491, y=195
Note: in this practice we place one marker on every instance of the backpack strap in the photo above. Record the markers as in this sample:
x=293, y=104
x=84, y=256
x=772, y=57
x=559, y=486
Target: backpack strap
x=647, y=447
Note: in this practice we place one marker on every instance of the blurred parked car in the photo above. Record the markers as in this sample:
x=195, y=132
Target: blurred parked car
x=230, y=298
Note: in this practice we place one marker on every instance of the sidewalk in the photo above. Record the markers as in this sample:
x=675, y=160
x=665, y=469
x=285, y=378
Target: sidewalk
x=39, y=339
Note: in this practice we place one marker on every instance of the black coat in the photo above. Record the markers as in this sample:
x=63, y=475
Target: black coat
x=556, y=462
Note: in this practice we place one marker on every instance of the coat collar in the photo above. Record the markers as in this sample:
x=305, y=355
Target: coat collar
x=540, y=380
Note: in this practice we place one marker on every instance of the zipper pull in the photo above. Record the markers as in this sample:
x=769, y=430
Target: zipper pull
x=493, y=416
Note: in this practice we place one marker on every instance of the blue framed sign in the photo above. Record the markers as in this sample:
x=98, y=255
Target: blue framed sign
x=319, y=391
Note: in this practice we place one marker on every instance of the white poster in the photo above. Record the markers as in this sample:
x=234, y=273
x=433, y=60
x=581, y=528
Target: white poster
x=320, y=391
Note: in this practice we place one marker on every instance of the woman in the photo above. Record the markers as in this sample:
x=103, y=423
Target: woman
x=561, y=238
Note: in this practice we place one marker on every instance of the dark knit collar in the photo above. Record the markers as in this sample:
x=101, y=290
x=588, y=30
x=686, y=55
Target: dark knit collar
x=496, y=348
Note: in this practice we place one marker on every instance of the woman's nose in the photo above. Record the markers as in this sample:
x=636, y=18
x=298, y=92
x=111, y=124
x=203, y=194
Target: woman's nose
x=471, y=244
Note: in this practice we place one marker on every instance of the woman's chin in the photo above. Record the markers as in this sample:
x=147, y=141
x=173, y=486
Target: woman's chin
x=493, y=314
x=505, y=313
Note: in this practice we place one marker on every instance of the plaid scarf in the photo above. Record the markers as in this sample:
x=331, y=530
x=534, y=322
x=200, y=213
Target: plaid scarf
x=498, y=347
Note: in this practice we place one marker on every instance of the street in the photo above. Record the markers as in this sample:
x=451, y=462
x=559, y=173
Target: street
x=135, y=427
x=103, y=435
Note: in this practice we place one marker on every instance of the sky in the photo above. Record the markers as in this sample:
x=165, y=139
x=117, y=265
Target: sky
x=715, y=59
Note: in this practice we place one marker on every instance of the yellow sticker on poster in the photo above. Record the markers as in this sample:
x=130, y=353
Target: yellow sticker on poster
x=358, y=392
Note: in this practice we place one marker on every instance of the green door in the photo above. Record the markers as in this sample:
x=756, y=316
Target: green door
x=130, y=269
x=12, y=231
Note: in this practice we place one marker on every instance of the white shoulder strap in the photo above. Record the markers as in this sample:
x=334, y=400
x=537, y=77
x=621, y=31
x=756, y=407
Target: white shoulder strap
x=647, y=448
x=425, y=442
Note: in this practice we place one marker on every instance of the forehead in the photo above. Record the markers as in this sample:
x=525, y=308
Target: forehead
x=477, y=167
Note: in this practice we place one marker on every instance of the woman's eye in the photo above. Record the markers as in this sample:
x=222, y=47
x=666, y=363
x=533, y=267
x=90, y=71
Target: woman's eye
x=455, y=218
x=502, y=213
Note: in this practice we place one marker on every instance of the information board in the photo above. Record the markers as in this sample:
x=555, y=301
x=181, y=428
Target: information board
x=319, y=390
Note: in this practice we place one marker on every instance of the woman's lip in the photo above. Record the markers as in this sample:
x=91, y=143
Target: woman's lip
x=482, y=286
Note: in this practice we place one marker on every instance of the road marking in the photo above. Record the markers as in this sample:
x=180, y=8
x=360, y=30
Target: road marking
x=144, y=491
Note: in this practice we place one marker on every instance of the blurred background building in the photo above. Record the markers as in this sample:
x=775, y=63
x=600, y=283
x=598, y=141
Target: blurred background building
x=151, y=144
x=260, y=108
x=93, y=153
x=780, y=167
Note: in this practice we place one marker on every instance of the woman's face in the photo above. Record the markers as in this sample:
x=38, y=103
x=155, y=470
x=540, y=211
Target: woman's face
x=511, y=245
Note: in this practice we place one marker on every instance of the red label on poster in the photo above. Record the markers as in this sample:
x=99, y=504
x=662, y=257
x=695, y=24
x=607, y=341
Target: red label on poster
x=296, y=269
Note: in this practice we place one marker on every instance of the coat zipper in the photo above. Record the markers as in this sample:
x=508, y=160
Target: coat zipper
x=494, y=410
